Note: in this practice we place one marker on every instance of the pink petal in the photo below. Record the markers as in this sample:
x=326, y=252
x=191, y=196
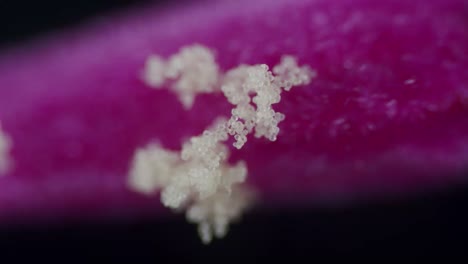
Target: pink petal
x=388, y=112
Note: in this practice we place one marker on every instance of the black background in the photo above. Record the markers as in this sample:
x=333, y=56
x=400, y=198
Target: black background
x=433, y=224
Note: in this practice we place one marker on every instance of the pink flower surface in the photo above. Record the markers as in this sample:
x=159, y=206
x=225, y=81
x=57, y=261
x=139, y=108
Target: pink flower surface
x=387, y=113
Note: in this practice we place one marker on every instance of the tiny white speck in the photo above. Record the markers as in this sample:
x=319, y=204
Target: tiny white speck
x=371, y=127
x=391, y=108
x=410, y=81
x=339, y=121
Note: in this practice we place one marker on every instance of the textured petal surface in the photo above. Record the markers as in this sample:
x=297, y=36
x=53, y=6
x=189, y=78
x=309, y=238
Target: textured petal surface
x=387, y=113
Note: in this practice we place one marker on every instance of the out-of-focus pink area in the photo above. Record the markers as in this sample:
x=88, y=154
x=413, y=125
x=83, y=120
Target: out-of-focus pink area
x=388, y=112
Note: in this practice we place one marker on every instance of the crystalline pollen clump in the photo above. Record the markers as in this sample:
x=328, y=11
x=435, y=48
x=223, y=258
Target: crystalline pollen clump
x=5, y=145
x=193, y=70
x=253, y=89
x=199, y=177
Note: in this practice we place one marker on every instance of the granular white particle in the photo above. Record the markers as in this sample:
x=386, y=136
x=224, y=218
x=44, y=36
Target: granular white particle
x=5, y=146
x=199, y=178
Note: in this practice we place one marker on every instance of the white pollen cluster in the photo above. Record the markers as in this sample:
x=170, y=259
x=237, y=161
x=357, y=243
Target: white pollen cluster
x=199, y=178
x=193, y=70
x=253, y=90
x=213, y=215
x=5, y=146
